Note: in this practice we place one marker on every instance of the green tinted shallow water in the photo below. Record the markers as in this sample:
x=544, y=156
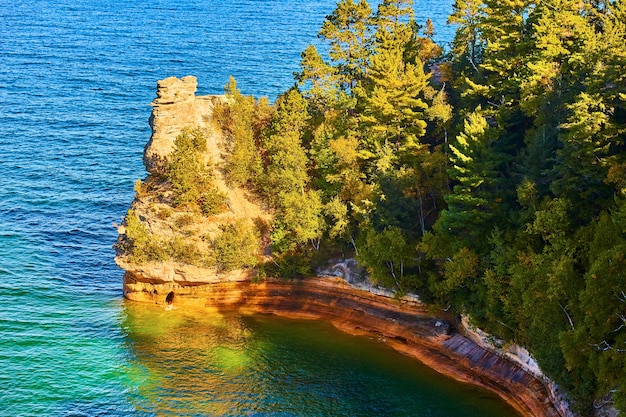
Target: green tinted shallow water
x=195, y=364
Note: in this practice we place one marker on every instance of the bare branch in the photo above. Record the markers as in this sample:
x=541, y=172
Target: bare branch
x=571, y=323
x=356, y=251
x=602, y=346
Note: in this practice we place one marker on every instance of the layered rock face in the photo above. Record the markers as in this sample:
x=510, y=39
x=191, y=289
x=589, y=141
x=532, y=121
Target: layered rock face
x=406, y=324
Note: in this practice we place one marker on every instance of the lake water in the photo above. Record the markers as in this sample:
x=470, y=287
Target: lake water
x=76, y=78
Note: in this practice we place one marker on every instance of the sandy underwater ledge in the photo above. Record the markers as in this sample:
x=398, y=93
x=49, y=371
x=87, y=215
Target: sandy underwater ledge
x=405, y=324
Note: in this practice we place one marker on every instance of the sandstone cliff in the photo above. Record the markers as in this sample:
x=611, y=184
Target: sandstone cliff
x=175, y=107
x=406, y=324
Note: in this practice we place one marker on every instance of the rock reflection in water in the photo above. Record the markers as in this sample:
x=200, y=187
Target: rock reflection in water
x=190, y=363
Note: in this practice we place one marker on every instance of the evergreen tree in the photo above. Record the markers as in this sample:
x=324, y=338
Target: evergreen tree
x=286, y=183
x=347, y=30
x=393, y=104
x=242, y=163
x=504, y=29
x=592, y=134
x=478, y=189
x=319, y=80
x=286, y=159
x=190, y=174
x=581, y=167
x=468, y=43
x=394, y=24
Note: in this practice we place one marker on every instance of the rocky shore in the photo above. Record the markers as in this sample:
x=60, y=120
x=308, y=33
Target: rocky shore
x=405, y=324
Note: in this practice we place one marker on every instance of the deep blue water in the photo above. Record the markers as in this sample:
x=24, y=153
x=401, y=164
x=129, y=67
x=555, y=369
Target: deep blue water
x=76, y=78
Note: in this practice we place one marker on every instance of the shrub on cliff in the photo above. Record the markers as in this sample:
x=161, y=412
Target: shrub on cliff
x=236, y=247
x=184, y=251
x=140, y=245
x=191, y=177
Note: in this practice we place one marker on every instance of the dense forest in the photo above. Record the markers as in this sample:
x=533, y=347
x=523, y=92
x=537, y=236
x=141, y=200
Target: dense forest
x=488, y=177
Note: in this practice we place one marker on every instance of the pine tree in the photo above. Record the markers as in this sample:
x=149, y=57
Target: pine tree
x=592, y=134
x=504, y=29
x=347, y=30
x=477, y=172
x=242, y=162
x=319, y=80
x=394, y=23
x=286, y=183
x=468, y=43
x=393, y=103
x=286, y=159
x=561, y=37
x=582, y=162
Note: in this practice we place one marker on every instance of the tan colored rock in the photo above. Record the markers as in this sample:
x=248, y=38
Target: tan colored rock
x=175, y=108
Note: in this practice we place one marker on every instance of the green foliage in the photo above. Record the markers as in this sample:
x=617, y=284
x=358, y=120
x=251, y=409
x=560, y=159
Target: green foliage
x=477, y=172
x=238, y=120
x=319, y=79
x=337, y=213
x=212, y=201
x=186, y=171
x=191, y=177
x=184, y=251
x=393, y=112
x=184, y=220
x=537, y=177
x=348, y=31
x=459, y=273
x=140, y=246
x=298, y=221
x=467, y=45
x=236, y=246
x=164, y=213
x=386, y=255
x=494, y=185
x=286, y=164
x=289, y=265
x=301, y=215
x=141, y=189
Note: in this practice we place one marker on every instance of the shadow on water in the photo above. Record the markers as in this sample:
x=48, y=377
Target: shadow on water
x=184, y=362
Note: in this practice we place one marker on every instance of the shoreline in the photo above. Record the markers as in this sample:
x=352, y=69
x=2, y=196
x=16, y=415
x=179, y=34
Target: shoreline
x=406, y=324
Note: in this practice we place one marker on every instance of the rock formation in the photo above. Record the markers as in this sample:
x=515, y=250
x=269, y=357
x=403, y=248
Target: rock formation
x=406, y=324
x=175, y=108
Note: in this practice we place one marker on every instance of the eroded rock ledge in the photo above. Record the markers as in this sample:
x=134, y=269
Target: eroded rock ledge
x=405, y=324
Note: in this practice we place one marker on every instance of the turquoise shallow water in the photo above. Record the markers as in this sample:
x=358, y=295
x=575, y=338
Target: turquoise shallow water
x=76, y=79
